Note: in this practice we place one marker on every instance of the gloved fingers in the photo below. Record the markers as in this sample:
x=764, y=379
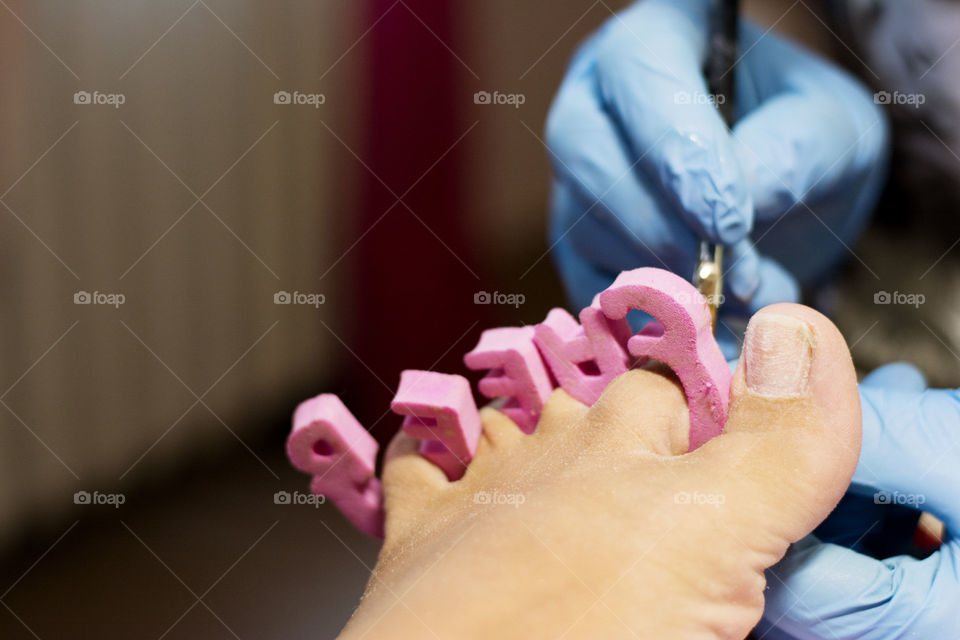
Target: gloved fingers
x=589, y=256
x=649, y=73
x=896, y=375
x=755, y=281
x=860, y=521
x=776, y=285
x=608, y=193
x=741, y=269
x=613, y=247
x=610, y=244
x=581, y=279
x=911, y=450
x=827, y=591
x=815, y=130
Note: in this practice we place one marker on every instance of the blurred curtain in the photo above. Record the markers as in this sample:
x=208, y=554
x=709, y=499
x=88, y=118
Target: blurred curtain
x=197, y=199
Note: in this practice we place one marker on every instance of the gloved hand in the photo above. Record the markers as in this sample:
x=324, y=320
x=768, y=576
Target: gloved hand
x=645, y=167
x=909, y=456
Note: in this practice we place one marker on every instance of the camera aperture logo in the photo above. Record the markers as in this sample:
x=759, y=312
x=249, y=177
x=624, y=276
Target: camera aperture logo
x=914, y=100
x=297, y=498
x=98, y=297
x=297, y=297
x=97, y=498
x=512, y=299
x=898, y=297
x=498, y=497
x=513, y=99
x=299, y=98
x=902, y=499
x=98, y=97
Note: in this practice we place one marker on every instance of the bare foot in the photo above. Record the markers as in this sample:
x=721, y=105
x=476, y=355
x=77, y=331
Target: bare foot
x=598, y=526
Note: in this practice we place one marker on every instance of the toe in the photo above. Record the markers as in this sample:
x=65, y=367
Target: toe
x=499, y=431
x=792, y=438
x=645, y=409
x=410, y=483
x=498, y=436
x=560, y=413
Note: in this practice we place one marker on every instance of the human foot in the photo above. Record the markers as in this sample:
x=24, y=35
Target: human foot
x=598, y=525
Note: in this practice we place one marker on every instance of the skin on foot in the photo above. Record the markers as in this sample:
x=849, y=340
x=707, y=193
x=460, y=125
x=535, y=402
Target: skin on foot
x=598, y=525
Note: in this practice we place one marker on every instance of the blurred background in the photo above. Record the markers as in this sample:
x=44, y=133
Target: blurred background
x=212, y=210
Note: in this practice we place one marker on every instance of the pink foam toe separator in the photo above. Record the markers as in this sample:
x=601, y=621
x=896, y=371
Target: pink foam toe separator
x=516, y=373
x=328, y=443
x=438, y=453
x=439, y=410
x=583, y=359
x=685, y=341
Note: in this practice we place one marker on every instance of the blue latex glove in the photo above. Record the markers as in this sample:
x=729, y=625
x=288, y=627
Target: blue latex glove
x=910, y=453
x=644, y=165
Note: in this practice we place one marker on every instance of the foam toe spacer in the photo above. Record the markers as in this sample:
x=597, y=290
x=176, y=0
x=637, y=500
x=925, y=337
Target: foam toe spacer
x=516, y=373
x=583, y=359
x=439, y=410
x=685, y=341
x=328, y=443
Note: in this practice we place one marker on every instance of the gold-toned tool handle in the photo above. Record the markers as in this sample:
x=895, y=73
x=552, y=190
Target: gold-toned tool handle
x=720, y=74
x=709, y=278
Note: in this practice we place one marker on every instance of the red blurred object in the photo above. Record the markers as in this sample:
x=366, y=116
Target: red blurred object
x=415, y=294
x=929, y=534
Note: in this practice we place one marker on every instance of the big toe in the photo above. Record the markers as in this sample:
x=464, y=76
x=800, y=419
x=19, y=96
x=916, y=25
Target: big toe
x=792, y=437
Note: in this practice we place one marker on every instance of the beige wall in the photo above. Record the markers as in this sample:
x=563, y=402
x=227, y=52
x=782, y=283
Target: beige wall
x=519, y=49
x=95, y=203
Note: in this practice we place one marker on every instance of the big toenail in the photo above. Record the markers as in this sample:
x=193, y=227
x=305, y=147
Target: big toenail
x=778, y=353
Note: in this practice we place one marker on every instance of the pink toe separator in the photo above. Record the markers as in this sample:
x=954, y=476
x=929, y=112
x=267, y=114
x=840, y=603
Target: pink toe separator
x=516, y=372
x=684, y=342
x=584, y=359
x=328, y=443
x=439, y=410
